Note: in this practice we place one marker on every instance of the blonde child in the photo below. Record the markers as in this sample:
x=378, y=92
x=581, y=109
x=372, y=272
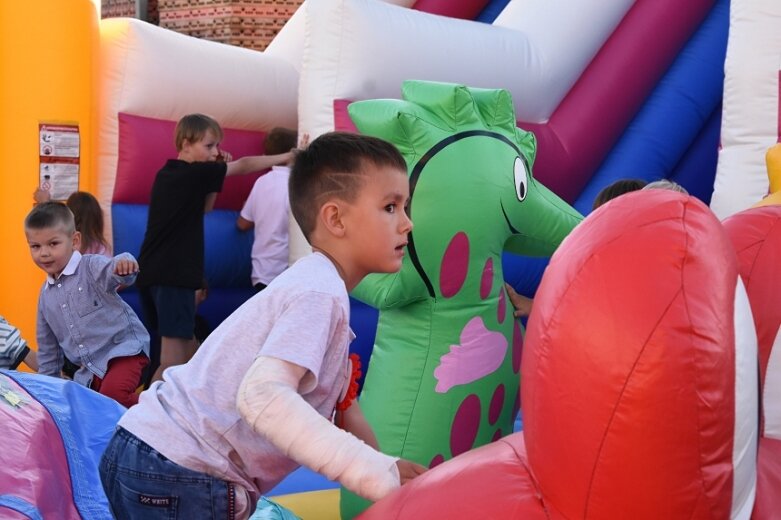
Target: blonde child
x=172, y=253
x=259, y=398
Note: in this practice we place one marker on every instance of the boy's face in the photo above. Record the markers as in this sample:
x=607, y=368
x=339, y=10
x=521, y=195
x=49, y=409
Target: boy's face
x=204, y=150
x=377, y=222
x=51, y=248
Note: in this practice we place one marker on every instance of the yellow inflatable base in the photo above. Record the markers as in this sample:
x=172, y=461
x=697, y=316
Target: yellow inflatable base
x=313, y=505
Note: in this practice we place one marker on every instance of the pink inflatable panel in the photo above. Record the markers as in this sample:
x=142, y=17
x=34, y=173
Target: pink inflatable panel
x=30, y=427
x=465, y=9
x=145, y=144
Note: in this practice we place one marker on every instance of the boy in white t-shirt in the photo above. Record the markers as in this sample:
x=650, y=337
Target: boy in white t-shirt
x=267, y=209
x=258, y=400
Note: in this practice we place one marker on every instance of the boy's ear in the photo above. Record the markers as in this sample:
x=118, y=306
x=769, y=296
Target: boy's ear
x=76, y=240
x=331, y=216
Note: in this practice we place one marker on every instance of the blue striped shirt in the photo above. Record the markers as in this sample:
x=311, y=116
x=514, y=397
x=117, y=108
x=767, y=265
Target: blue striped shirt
x=81, y=316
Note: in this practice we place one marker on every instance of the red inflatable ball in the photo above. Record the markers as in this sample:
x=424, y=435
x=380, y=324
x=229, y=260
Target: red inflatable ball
x=636, y=402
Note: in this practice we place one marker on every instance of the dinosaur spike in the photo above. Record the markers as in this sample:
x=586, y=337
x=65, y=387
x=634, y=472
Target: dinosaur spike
x=496, y=109
x=449, y=102
x=407, y=125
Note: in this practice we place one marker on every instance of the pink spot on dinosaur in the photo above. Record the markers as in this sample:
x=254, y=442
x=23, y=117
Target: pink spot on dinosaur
x=481, y=352
x=436, y=461
x=455, y=265
x=501, y=310
x=487, y=280
x=497, y=402
x=517, y=347
x=465, y=425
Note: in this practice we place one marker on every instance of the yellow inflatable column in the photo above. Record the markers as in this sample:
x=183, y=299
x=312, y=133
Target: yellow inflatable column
x=773, y=162
x=48, y=60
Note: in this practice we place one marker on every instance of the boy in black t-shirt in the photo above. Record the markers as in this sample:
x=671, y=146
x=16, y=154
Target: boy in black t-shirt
x=171, y=259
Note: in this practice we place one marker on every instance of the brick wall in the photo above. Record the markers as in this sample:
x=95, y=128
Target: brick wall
x=244, y=23
x=127, y=8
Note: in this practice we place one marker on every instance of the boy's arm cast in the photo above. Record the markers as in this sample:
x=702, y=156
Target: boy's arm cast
x=269, y=401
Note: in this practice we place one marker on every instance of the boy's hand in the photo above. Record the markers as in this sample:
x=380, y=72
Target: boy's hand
x=224, y=156
x=303, y=142
x=522, y=304
x=124, y=267
x=41, y=195
x=409, y=470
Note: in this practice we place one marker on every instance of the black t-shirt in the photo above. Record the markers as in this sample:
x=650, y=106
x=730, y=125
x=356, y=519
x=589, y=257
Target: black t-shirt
x=172, y=252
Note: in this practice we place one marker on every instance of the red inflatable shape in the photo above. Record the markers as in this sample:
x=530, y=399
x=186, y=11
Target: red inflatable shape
x=756, y=236
x=628, y=382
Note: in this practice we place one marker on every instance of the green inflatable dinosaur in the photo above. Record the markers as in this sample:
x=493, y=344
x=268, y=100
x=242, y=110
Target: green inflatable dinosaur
x=444, y=372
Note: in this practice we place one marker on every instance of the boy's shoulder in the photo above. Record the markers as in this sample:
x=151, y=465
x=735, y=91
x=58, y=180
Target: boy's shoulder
x=180, y=166
x=314, y=272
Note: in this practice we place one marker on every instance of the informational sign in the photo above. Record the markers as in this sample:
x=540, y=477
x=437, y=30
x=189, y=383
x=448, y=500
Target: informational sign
x=59, y=158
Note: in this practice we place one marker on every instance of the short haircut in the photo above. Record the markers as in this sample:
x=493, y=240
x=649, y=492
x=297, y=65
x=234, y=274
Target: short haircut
x=666, y=184
x=334, y=166
x=50, y=215
x=280, y=140
x=193, y=128
x=619, y=187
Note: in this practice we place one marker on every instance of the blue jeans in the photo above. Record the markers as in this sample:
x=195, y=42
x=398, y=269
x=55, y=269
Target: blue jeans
x=140, y=483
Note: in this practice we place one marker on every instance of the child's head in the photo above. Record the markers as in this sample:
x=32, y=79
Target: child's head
x=619, y=187
x=666, y=184
x=88, y=218
x=336, y=166
x=280, y=140
x=52, y=236
x=198, y=138
x=353, y=189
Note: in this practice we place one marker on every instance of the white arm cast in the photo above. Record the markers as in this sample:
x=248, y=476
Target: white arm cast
x=269, y=401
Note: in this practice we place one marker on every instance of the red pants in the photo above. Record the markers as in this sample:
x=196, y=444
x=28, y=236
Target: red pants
x=122, y=379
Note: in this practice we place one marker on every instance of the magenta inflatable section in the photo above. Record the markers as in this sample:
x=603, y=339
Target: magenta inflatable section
x=610, y=92
x=145, y=144
x=39, y=473
x=464, y=9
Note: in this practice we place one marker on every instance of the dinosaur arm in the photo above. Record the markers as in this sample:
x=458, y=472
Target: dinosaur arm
x=386, y=291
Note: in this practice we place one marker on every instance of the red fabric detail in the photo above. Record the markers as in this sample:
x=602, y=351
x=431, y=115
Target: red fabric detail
x=145, y=144
x=35, y=465
x=492, y=481
x=768, y=502
x=122, y=379
x=342, y=121
x=352, y=391
x=464, y=9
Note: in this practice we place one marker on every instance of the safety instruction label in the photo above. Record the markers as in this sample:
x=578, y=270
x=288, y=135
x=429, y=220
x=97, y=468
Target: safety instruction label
x=59, y=159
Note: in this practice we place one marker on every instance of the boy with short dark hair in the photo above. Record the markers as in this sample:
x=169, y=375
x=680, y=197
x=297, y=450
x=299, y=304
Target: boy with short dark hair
x=258, y=399
x=172, y=253
x=267, y=210
x=80, y=315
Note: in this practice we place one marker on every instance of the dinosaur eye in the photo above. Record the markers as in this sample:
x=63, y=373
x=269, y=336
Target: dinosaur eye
x=521, y=178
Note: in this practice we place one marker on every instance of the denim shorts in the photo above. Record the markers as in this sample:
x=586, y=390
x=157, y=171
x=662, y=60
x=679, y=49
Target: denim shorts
x=169, y=310
x=140, y=483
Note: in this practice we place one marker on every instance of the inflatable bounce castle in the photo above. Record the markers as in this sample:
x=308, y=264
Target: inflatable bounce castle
x=549, y=101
